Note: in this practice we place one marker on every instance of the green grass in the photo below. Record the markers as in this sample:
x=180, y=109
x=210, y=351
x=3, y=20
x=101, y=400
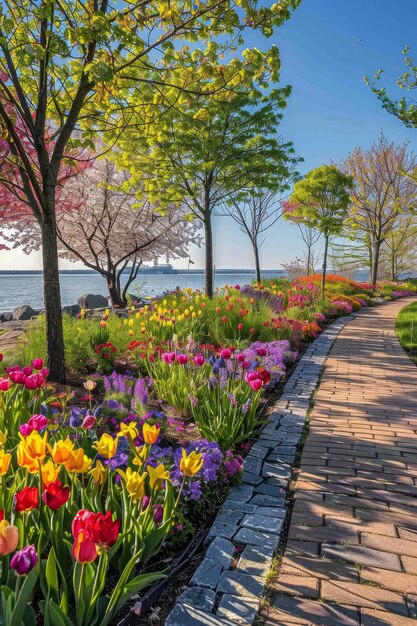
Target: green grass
x=406, y=327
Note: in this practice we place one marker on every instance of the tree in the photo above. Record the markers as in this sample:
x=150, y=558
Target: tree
x=77, y=67
x=213, y=156
x=382, y=191
x=405, y=108
x=399, y=251
x=109, y=230
x=255, y=215
x=310, y=237
x=320, y=201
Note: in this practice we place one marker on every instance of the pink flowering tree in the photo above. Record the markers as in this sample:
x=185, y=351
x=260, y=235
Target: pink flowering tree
x=112, y=231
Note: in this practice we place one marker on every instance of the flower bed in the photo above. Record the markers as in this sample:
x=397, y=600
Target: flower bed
x=94, y=483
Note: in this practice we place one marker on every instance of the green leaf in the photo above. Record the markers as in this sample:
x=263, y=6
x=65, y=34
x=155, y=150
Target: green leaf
x=25, y=595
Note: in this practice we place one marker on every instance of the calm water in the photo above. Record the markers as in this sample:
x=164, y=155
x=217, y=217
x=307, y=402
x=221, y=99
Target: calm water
x=28, y=289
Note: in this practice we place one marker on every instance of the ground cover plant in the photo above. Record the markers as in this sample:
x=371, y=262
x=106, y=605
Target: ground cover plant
x=97, y=479
x=406, y=328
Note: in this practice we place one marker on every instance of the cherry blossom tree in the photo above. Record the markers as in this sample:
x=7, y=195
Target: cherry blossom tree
x=112, y=231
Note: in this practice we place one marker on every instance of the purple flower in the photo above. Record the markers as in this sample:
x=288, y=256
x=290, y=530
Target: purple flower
x=158, y=515
x=24, y=560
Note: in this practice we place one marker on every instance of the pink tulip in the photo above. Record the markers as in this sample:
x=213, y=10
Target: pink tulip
x=1, y=357
x=240, y=357
x=226, y=353
x=171, y=357
x=38, y=422
x=44, y=373
x=165, y=357
x=25, y=429
x=15, y=368
x=4, y=384
x=31, y=382
x=255, y=384
x=199, y=360
x=37, y=364
x=27, y=370
x=262, y=352
x=89, y=422
x=182, y=359
x=17, y=377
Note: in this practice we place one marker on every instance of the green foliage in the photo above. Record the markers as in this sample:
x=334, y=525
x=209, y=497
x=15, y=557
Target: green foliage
x=405, y=108
x=320, y=200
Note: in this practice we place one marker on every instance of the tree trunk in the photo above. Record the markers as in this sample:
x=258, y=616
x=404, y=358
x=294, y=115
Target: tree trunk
x=308, y=260
x=208, y=235
x=257, y=262
x=375, y=264
x=323, y=276
x=52, y=294
x=116, y=297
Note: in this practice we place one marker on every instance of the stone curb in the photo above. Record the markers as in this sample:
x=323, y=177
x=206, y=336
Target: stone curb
x=248, y=527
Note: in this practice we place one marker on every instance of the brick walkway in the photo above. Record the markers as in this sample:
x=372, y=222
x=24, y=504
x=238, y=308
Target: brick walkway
x=351, y=556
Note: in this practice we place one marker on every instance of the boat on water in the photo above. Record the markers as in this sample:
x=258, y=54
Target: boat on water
x=158, y=268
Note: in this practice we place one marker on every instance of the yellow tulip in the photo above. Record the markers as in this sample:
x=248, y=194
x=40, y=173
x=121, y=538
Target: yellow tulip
x=128, y=430
x=131, y=322
x=33, y=446
x=189, y=465
x=134, y=482
x=106, y=446
x=49, y=472
x=61, y=451
x=157, y=475
x=90, y=385
x=78, y=462
x=5, y=459
x=150, y=433
x=99, y=473
x=140, y=455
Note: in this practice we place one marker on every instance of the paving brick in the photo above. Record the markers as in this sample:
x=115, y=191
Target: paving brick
x=328, y=534
x=363, y=595
x=410, y=564
x=395, y=581
x=302, y=548
x=371, y=617
x=389, y=544
x=318, y=567
x=362, y=556
x=289, y=610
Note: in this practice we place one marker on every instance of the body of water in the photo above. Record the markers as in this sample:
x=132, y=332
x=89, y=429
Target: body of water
x=19, y=289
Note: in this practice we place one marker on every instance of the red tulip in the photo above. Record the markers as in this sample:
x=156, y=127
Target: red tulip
x=104, y=530
x=262, y=352
x=27, y=370
x=55, y=495
x=84, y=549
x=1, y=357
x=37, y=364
x=27, y=499
x=240, y=327
x=224, y=319
x=80, y=521
x=31, y=382
x=1, y=515
x=264, y=375
x=199, y=360
x=255, y=384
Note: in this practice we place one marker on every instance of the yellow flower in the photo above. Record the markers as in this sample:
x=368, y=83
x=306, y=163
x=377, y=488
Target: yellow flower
x=90, y=385
x=78, y=462
x=33, y=446
x=49, y=472
x=128, y=430
x=5, y=459
x=140, y=455
x=131, y=322
x=189, y=465
x=82, y=313
x=107, y=312
x=61, y=451
x=99, y=473
x=106, y=446
x=157, y=475
x=150, y=433
x=134, y=482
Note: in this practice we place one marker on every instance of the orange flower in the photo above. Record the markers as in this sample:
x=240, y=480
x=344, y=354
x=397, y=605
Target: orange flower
x=150, y=433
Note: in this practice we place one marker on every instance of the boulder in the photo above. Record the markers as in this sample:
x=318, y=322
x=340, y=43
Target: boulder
x=73, y=309
x=91, y=301
x=24, y=312
x=6, y=317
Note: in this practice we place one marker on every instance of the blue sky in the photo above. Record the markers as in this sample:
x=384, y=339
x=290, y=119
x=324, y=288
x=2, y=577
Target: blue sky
x=331, y=110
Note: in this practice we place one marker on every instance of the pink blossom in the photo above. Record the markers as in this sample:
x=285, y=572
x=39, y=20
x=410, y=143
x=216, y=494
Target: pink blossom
x=240, y=357
x=182, y=359
x=89, y=422
x=199, y=360
x=37, y=364
x=17, y=377
x=4, y=384
x=27, y=370
x=262, y=352
x=226, y=353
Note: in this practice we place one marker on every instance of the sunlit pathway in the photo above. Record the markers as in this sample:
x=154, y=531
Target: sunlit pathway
x=351, y=556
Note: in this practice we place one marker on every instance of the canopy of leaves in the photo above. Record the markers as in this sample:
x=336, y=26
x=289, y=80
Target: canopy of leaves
x=320, y=200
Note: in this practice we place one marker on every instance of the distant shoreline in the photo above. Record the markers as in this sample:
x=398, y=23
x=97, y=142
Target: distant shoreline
x=178, y=271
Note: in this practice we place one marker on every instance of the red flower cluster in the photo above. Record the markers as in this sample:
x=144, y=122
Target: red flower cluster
x=105, y=350
x=257, y=378
x=91, y=532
